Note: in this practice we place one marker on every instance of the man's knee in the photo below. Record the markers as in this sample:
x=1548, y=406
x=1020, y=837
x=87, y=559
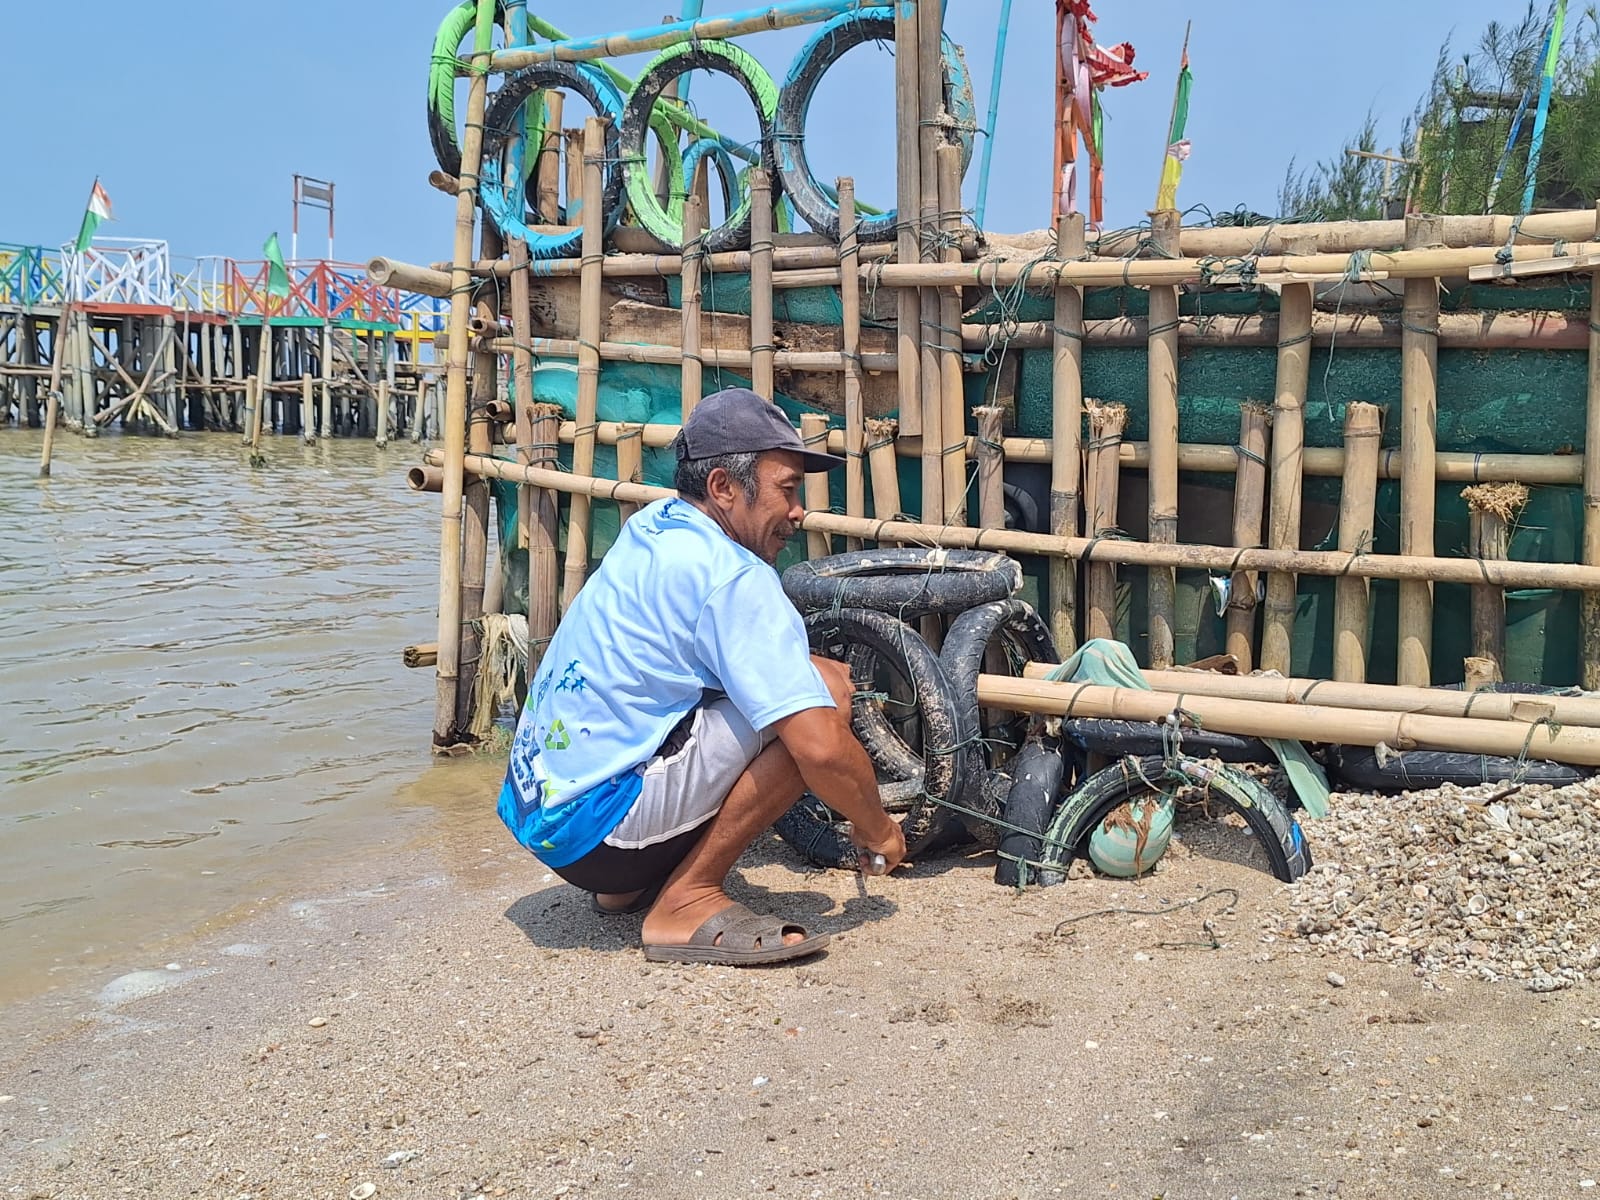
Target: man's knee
x=836, y=675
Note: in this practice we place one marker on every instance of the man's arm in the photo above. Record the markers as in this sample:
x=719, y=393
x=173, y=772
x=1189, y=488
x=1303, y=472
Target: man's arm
x=836, y=769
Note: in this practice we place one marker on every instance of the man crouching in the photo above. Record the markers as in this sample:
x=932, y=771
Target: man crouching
x=678, y=712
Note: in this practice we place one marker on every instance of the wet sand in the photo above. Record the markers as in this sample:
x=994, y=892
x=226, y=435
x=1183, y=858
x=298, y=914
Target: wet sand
x=436, y=1017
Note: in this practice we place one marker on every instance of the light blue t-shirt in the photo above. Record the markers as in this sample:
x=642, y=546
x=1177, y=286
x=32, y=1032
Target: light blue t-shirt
x=677, y=608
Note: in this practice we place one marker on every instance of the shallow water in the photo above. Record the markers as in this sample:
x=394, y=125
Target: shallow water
x=200, y=682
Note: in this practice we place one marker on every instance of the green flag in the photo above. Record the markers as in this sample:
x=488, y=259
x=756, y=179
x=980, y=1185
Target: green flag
x=1177, y=144
x=99, y=209
x=277, y=273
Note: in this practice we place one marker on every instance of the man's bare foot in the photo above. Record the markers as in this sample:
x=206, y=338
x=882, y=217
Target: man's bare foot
x=679, y=911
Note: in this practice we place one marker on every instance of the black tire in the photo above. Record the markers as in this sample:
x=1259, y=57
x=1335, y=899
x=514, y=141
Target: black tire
x=827, y=44
x=809, y=827
x=1356, y=768
x=943, y=736
x=906, y=581
x=1119, y=739
x=1098, y=796
x=499, y=124
x=1025, y=639
x=1036, y=773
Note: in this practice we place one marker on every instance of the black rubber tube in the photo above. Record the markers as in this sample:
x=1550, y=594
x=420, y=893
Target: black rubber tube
x=1358, y=768
x=1098, y=796
x=943, y=735
x=1118, y=739
x=1036, y=782
x=809, y=827
x=1025, y=639
x=906, y=581
x=499, y=124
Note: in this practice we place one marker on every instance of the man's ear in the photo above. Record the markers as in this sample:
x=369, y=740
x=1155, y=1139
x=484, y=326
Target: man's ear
x=720, y=487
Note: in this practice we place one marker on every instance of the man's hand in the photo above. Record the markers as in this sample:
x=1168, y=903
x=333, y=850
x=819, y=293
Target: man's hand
x=889, y=844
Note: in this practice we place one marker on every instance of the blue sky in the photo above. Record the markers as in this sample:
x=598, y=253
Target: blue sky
x=196, y=116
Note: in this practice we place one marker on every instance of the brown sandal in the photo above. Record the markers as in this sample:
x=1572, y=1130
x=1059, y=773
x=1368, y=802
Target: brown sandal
x=748, y=939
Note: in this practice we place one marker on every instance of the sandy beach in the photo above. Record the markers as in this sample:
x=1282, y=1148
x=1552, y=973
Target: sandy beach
x=438, y=1017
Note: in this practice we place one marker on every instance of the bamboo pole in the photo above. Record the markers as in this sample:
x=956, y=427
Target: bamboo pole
x=1589, y=615
x=952, y=451
x=1305, y=722
x=380, y=426
x=1358, y=499
x=1249, y=486
x=630, y=463
x=425, y=479
x=308, y=429
x=423, y=654
x=1106, y=423
x=1096, y=550
x=574, y=140
x=325, y=369
x=547, y=171
x=577, y=564
x=814, y=434
x=419, y=418
x=908, y=173
x=855, y=498
x=1418, y=443
x=543, y=534
x=1479, y=673
x=446, y=731
x=60, y=352
x=1163, y=408
x=1288, y=454
x=1439, y=702
x=694, y=224
x=1493, y=509
x=991, y=480
x=522, y=377
x=761, y=339
x=880, y=438
x=930, y=15
x=1066, y=433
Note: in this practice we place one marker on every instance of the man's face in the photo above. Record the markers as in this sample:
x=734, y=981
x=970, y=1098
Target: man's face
x=765, y=524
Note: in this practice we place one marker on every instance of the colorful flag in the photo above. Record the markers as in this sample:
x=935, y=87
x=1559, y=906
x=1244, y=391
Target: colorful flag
x=99, y=210
x=1177, y=144
x=277, y=272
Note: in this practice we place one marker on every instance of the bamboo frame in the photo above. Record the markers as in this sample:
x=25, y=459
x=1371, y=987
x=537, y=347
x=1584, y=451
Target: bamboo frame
x=1066, y=433
x=630, y=463
x=522, y=361
x=1162, y=391
x=1098, y=550
x=855, y=500
x=578, y=514
x=1106, y=423
x=761, y=338
x=60, y=353
x=694, y=224
x=1305, y=722
x=1288, y=456
x=814, y=434
x=544, y=530
x=1418, y=444
x=1249, y=488
x=308, y=417
x=1358, y=500
x=1438, y=702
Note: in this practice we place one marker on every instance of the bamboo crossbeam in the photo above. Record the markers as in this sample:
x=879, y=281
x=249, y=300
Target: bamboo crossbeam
x=1582, y=711
x=708, y=356
x=1551, y=470
x=1507, y=574
x=1551, y=330
x=656, y=37
x=1538, y=230
x=1304, y=722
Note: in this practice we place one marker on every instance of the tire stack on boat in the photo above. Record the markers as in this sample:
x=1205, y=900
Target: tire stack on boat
x=960, y=773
